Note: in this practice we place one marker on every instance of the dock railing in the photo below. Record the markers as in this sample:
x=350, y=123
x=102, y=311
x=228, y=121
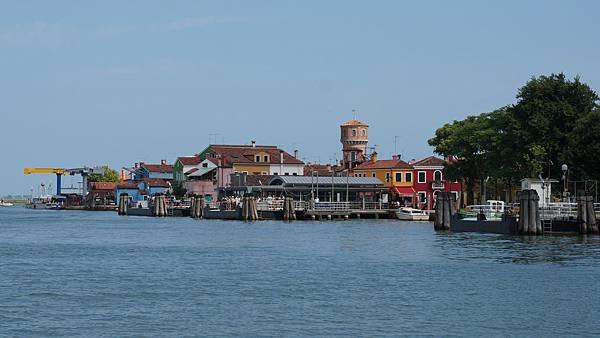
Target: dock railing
x=277, y=205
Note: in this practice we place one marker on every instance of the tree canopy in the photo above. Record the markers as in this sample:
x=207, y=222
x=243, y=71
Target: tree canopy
x=110, y=175
x=555, y=120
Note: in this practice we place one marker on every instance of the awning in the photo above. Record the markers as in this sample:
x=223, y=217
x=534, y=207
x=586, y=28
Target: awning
x=405, y=191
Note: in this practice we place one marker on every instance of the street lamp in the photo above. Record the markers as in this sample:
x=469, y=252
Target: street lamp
x=564, y=169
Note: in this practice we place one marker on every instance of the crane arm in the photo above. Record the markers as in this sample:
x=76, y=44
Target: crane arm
x=58, y=171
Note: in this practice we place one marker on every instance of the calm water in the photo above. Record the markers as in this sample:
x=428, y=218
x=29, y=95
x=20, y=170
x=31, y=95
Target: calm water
x=98, y=274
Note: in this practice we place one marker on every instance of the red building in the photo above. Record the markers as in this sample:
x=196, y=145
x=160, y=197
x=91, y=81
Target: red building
x=430, y=180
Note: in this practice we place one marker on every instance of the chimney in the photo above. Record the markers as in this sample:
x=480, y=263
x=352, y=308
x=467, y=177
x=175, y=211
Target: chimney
x=396, y=157
x=163, y=162
x=296, y=153
x=374, y=157
x=280, y=162
x=253, y=143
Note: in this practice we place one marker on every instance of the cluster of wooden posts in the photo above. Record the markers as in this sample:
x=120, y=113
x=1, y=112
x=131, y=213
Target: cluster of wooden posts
x=249, y=210
x=530, y=222
x=160, y=206
x=289, y=213
x=586, y=215
x=123, y=204
x=197, y=207
x=445, y=208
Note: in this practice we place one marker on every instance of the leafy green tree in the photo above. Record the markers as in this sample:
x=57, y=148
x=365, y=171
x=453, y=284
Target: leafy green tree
x=584, y=147
x=110, y=175
x=178, y=190
x=547, y=110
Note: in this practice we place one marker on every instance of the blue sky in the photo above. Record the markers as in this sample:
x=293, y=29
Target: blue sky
x=114, y=82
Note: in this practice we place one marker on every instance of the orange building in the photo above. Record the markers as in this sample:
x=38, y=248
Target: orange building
x=395, y=174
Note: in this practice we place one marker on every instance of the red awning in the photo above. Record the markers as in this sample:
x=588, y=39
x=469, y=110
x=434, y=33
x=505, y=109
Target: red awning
x=405, y=191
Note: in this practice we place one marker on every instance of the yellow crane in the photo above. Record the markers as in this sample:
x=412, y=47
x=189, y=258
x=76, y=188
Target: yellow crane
x=84, y=172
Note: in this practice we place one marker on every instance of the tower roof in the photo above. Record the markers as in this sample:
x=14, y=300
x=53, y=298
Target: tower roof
x=354, y=123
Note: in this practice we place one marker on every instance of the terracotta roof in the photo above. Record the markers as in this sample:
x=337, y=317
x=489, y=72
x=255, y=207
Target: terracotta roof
x=321, y=169
x=103, y=185
x=191, y=171
x=384, y=164
x=430, y=161
x=158, y=168
x=189, y=160
x=235, y=154
x=156, y=182
x=127, y=185
x=354, y=123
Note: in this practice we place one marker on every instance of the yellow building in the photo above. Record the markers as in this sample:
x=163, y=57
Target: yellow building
x=395, y=174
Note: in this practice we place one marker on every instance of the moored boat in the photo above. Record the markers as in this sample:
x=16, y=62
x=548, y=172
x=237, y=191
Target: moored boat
x=412, y=214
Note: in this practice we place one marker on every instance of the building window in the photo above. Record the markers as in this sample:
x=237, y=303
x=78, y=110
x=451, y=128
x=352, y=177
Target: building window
x=354, y=132
x=295, y=174
x=264, y=173
x=353, y=156
x=275, y=173
x=257, y=158
x=204, y=165
x=437, y=175
x=266, y=158
x=422, y=197
x=387, y=177
x=408, y=177
x=398, y=177
x=286, y=174
x=422, y=178
x=373, y=174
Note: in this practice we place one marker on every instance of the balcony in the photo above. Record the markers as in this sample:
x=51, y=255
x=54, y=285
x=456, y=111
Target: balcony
x=437, y=185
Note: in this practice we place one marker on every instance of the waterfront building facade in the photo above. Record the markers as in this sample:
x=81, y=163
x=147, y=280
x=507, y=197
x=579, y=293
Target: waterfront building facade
x=145, y=170
x=396, y=174
x=254, y=159
x=183, y=165
x=429, y=180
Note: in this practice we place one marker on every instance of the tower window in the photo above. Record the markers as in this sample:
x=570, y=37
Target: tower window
x=354, y=132
x=364, y=133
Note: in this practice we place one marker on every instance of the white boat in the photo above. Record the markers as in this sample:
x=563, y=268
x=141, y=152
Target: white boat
x=5, y=204
x=492, y=211
x=43, y=203
x=412, y=214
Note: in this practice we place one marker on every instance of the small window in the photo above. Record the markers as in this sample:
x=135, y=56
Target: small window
x=266, y=158
x=257, y=158
x=422, y=177
x=286, y=174
x=398, y=177
x=387, y=177
x=204, y=165
x=408, y=177
x=364, y=133
x=295, y=174
x=354, y=132
x=373, y=174
x=437, y=175
x=275, y=173
x=264, y=173
x=422, y=197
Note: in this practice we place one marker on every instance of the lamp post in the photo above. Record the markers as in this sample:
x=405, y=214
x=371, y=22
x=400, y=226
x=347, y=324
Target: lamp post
x=565, y=170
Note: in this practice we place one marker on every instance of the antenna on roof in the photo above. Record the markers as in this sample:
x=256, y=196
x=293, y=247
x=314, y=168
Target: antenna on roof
x=354, y=114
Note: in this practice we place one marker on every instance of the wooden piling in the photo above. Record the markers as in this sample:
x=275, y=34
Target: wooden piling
x=592, y=223
x=443, y=211
x=524, y=212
